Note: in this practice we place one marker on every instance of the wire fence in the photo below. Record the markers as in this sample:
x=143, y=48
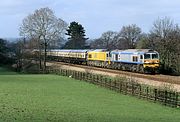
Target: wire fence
x=126, y=86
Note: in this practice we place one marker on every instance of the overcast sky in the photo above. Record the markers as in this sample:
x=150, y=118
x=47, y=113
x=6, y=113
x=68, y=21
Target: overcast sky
x=97, y=16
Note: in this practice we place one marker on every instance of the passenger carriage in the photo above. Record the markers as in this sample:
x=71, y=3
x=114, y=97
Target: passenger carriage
x=72, y=56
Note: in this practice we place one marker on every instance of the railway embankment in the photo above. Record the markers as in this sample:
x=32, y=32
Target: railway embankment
x=158, y=80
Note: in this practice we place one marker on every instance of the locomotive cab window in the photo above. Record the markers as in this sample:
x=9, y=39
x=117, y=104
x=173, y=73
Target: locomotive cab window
x=110, y=55
x=89, y=56
x=155, y=56
x=147, y=56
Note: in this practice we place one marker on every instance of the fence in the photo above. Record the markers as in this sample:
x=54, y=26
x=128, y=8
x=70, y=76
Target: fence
x=122, y=85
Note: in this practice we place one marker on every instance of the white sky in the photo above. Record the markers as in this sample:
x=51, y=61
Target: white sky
x=97, y=16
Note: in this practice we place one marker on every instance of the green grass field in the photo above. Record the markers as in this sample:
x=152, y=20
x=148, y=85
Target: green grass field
x=56, y=98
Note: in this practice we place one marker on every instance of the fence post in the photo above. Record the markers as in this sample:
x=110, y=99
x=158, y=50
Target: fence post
x=93, y=78
x=110, y=84
x=120, y=86
x=126, y=87
x=115, y=84
x=75, y=74
x=133, y=88
x=80, y=75
x=155, y=94
x=147, y=92
x=101, y=80
x=66, y=73
x=79, y=78
x=177, y=100
x=105, y=82
x=97, y=79
x=165, y=97
x=61, y=70
x=84, y=76
x=62, y=73
x=71, y=72
x=90, y=78
x=140, y=91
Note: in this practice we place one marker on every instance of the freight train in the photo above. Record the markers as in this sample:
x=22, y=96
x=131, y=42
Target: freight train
x=135, y=60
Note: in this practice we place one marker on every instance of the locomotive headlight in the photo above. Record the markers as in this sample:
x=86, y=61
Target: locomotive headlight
x=157, y=61
x=146, y=62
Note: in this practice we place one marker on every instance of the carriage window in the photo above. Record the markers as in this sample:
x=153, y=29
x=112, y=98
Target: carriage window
x=135, y=58
x=107, y=55
x=116, y=57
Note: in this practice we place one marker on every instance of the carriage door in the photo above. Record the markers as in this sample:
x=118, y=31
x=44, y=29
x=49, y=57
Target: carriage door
x=141, y=58
x=107, y=56
x=116, y=57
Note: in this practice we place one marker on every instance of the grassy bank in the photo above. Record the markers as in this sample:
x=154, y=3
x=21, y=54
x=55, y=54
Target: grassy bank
x=56, y=98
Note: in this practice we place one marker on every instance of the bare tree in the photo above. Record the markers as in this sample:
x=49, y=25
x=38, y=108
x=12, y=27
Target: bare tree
x=107, y=40
x=162, y=27
x=165, y=37
x=143, y=42
x=121, y=43
x=19, y=46
x=44, y=27
x=131, y=34
x=96, y=44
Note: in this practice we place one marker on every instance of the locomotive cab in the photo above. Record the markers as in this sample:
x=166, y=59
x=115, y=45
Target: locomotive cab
x=151, y=61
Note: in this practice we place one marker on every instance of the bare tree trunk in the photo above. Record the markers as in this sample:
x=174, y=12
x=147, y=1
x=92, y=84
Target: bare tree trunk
x=40, y=51
x=40, y=65
x=45, y=54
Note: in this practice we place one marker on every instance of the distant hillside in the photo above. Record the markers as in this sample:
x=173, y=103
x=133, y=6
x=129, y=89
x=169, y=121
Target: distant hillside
x=11, y=39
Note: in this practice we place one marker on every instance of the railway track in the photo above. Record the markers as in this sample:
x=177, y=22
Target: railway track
x=157, y=77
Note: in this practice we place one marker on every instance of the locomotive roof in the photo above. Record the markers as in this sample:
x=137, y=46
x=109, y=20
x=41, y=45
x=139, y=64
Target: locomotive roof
x=99, y=50
x=139, y=50
x=78, y=51
x=133, y=51
x=64, y=50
